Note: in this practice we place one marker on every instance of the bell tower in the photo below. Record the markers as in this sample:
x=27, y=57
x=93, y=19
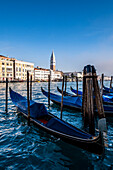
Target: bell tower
x=52, y=62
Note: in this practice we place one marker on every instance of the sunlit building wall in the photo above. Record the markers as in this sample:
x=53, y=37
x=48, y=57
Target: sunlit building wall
x=21, y=68
x=6, y=68
x=41, y=74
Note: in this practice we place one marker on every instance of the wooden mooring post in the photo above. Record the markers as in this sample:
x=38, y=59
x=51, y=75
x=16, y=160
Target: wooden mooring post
x=28, y=102
x=98, y=97
x=90, y=84
x=99, y=104
x=111, y=81
x=49, y=79
x=102, y=84
x=65, y=83
x=89, y=97
x=6, y=105
x=31, y=87
x=84, y=100
x=77, y=84
x=62, y=98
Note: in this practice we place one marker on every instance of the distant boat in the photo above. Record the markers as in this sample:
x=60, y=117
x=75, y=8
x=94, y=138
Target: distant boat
x=107, y=99
x=108, y=90
x=75, y=102
x=57, y=127
x=68, y=101
x=65, y=93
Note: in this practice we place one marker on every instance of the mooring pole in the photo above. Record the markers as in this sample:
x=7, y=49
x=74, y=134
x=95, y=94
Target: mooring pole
x=28, y=102
x=65, y=83
x=111, y=82
x=84, y=94
x=62, y=98
x=99, y=104
x=84, y=98
x=49, y=90
x=77, y=84
x=6, y=106
x=31, y=87
x=89, y=90
x=102, y=83
x=98, y=97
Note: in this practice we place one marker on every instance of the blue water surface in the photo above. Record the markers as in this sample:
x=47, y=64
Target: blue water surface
x=27, y=147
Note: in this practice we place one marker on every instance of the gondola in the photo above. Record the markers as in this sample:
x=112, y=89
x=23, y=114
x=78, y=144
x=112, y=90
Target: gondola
x=65, y=93
x=107, y=102
x=75, y=103
x=68, y=101
x=106, y=98
x=57, y=127
x=108, y=90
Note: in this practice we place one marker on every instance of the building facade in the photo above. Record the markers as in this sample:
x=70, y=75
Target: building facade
x=20, y=69
x=56, y=75
x=6, y=68
x=41, y=74
x=14, y=69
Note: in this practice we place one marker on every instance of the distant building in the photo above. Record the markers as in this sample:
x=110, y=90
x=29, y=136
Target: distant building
x=20, y=69
x=56, y=75
x=79, y=74
x=52, y=62
x=41, y=74
x=14, y=69
x=6, y=68
x=69, y=74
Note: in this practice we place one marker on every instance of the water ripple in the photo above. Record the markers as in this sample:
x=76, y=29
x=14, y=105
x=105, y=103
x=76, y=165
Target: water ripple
x=27, y=147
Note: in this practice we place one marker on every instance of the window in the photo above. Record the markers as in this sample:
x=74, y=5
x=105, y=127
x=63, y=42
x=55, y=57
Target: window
x=3, y=69
x=16, y=68
x=7, y=64
x=2, y=63
x=19, y=69
x=9, y=69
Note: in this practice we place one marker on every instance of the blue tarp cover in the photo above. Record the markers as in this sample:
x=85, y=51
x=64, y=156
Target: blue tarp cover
x=110, y=90
x=106, y=98
x=63, y=127
x=67, y=100
x=36, y=109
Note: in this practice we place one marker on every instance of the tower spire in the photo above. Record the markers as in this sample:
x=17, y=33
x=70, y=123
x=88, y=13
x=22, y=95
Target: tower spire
x=52, y=61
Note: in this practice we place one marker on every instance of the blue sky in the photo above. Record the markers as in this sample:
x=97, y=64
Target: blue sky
x=80, y=32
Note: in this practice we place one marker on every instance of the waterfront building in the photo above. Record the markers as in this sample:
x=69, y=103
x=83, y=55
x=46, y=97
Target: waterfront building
x=6, y=68
x=56, y=75
x=41, y=74
x=79, y=74
x=52, y=62
x=20, y=69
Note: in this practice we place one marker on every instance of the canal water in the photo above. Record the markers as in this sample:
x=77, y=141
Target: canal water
x=24, y=147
